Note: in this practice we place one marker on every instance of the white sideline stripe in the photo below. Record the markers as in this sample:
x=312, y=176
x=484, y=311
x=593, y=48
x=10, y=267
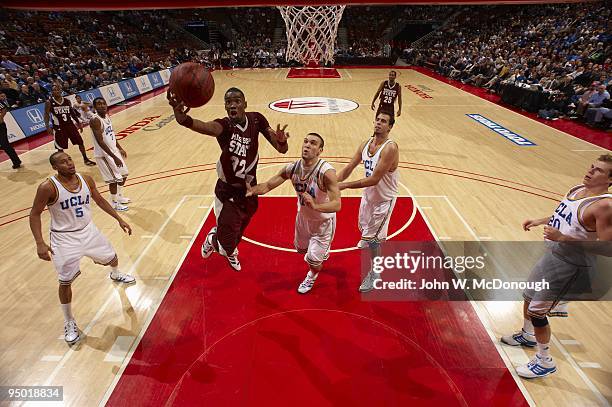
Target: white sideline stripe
x=348, y=74
x=102, y=309
x=119, y=349
x=425, y=207
x=444, y=238
x=52, y=358
x=185, y=237
x=149, y=318
x=481, y=315
x=589, y=365
x=583, y=376
x=569, y=342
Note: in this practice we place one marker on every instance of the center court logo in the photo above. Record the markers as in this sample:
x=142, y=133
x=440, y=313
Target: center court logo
x=313, y=105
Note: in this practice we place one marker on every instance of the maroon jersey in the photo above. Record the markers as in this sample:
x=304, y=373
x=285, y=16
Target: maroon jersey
x=62, y=114
x=239, y=149
x=388, y=96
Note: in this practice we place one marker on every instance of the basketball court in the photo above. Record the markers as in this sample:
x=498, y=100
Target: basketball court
x=194, y=331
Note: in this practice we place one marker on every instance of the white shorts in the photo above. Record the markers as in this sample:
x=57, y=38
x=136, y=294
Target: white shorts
x=374, y=221
x=109, y=170
x=70, y=247
x=314, y=237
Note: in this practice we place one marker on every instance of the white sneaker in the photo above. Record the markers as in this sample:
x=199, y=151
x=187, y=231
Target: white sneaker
x=119, y=207
x=71, y=332
x=120, y=277
x=124, y=200
x=537, y=367
x=520, y=338
x=233, y=261
x=368, y=283
x=307, y=284
x=207, y=246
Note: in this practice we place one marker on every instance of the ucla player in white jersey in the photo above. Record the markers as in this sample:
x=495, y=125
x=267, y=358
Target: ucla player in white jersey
x=585, y=214
x=314, y=180
x=73, y=235
x=380, y=157
x=109, y=155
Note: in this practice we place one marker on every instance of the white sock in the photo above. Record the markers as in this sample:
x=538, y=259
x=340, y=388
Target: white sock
x=312, y=275
x=114, y=269
x=67, y=310
x=119, y=190
x=113, y=197
x=528, y=327
x=544, y=351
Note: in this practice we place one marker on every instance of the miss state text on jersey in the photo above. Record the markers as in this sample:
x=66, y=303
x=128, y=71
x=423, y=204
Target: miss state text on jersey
x=239, y=145
x=388, y=95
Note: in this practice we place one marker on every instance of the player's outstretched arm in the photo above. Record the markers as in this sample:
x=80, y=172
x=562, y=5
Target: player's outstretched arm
x=278, y=138
x=44, y=194
x=105, y=205
x=380, y=88
x=345, y=172
x=333, y=193
x=399, y=101
x=269, y=185
x=213, y=129
x=603, y=220
x=529, y=223
x=388, y=156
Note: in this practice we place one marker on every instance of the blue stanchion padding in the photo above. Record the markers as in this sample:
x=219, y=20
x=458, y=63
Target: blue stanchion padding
x=90, y=95
x=30, y=119
x=129, y=88
x=156, y=80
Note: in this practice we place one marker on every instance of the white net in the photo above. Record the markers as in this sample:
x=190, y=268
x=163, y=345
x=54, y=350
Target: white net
x=311, y=32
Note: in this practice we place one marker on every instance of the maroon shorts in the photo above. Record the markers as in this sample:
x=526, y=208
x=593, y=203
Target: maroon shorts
x=234, y=212
x=62, y=135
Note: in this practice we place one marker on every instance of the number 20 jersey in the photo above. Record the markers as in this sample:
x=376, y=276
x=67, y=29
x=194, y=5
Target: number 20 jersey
x=567, y=218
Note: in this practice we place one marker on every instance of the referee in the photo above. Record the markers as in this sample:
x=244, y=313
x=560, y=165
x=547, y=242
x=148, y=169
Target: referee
x=4, y=142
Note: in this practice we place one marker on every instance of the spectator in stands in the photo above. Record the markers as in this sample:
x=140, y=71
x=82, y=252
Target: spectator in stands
x=37, y=92
x=8, y=64
x=25, y=97
x=595, y=100
x=583, y=102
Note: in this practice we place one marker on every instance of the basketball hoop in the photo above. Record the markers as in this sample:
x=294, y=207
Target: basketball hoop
x=311, y=32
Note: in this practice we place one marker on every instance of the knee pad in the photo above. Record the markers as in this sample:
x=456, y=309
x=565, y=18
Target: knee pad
x=539, y=322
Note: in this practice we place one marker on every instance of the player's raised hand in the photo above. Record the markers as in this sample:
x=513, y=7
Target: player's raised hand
x=281, y=135
x=43, y=250
x=180, y=110
x=126, y=228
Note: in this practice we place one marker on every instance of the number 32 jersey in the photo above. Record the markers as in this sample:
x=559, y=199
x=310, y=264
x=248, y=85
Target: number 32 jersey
x=239, y=149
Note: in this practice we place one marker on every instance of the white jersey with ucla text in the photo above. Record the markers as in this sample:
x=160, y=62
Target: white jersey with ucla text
x=311, y=182
x=108, y=135
x=387, y=187
x=71, y=211
x=567, y=218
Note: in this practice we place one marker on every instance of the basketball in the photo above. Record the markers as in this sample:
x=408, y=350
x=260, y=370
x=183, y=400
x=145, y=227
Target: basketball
x=192, y=84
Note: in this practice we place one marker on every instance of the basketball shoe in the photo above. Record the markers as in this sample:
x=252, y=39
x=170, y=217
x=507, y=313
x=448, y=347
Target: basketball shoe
x=537, y=367
x=207, y=246
x=233, y=260
x=368, y=282
x=119, y=207
x=520, y=338
x=308, y=282
x=71, y=332
x=119, y=277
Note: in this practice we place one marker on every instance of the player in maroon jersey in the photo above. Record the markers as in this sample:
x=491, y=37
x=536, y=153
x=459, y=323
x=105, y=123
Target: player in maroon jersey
x=389, y=91
x=238, y=137
x=65, y=120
